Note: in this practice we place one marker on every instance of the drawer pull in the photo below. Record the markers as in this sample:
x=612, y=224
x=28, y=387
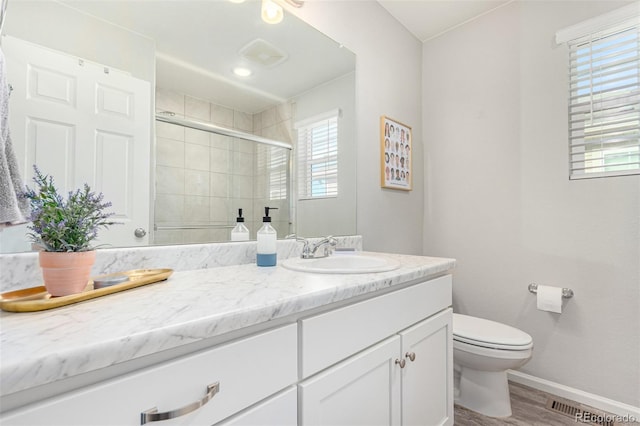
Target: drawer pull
x=411, y=356
x=401, y=362
x=152, y=415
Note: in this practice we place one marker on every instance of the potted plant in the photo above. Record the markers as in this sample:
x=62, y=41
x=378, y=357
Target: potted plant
x=64, y=230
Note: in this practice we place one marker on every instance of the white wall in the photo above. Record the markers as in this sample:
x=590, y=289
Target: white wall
x=63, y=28
x=388, y=63
x=331, y=216
x=498, y=198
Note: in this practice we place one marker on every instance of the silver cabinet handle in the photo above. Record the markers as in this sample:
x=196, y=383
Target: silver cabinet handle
x=140, y=232
x=152, y=415
x=401, y=362
x=411, y=356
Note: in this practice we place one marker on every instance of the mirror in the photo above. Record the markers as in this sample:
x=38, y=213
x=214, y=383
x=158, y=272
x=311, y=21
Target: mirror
x=187, y=51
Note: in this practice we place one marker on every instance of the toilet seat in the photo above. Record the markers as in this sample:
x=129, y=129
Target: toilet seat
x=489, y=334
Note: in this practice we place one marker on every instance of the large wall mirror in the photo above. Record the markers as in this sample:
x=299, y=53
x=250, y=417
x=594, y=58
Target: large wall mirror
x=93, y=78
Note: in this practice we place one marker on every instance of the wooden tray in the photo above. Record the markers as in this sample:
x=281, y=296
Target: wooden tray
x=37, y=299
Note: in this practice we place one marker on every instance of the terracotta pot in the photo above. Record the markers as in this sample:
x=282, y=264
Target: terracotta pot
x=66, y=273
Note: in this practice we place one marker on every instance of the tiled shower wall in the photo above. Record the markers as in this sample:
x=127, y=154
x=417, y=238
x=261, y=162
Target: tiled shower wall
x=203, y=178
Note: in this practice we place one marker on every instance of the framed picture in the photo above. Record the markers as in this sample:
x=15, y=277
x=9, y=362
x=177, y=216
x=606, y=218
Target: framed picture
x=396, y=146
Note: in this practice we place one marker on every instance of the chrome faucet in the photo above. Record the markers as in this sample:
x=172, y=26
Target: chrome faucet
x=328, y=242
x=309, y=250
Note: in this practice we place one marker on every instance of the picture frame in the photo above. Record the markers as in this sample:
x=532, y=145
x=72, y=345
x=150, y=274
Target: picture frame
x=396, y=149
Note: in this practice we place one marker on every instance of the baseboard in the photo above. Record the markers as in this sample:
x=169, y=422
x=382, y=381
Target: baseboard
x=586, y=398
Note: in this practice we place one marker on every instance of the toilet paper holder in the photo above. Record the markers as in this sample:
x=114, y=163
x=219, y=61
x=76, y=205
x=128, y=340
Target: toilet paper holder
x=567, y=293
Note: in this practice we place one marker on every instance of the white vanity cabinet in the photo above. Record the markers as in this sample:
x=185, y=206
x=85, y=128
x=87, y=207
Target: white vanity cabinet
x=405, y=379
x=245, y=371
x=383, y=360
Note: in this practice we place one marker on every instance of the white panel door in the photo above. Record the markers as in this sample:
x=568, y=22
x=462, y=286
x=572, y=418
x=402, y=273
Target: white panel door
x=81, y=122
x=427, y=381
x=363, y=390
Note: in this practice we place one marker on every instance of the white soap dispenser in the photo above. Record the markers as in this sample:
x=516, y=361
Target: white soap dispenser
x=240, y=232
x=267, y=237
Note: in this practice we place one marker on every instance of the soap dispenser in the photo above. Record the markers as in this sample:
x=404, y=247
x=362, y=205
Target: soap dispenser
x=240, y=232
x=267, y=237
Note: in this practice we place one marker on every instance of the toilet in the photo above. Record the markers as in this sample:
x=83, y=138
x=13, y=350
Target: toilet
x=483, y=351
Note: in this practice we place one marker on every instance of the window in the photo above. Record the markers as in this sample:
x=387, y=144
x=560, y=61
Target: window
x=318, y=157
x=278, y=167
x=604, y=96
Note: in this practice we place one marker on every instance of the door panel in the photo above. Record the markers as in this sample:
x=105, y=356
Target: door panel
x=427, y=381
x=363, y=390
x=83, y=123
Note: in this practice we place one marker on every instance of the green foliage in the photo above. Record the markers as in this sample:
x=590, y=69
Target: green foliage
x=65, y=225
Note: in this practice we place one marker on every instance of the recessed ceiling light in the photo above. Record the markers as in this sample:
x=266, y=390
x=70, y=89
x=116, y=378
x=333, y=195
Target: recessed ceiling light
x=236, y=1
x=242, y=72
x=272, y=13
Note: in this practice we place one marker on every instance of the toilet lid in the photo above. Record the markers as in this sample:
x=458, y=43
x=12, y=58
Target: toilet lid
x=482, y=332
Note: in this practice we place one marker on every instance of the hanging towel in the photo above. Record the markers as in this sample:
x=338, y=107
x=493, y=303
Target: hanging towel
x=14, y=209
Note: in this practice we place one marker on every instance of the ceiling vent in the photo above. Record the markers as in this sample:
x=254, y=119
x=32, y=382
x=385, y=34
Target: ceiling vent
x=263, y=53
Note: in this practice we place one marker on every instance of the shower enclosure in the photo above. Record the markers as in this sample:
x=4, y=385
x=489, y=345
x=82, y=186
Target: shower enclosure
x=205, y=173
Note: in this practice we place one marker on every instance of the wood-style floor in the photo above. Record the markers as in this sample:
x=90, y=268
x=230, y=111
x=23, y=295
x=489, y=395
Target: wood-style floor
x=528, y=407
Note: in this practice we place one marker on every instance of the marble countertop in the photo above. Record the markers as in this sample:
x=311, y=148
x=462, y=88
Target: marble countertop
x=43, y=347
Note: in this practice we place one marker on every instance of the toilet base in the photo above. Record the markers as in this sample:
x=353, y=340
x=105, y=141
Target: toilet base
x=486, y=392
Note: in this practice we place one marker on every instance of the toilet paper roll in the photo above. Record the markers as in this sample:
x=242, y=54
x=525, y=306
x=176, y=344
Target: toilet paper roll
x=550, y=299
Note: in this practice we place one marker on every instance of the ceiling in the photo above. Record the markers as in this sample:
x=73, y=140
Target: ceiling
x=426, y=19
x=198, y=43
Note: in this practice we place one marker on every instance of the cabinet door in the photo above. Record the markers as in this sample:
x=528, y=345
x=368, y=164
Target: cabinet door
x=363, y=390
x=279, y=410
x=427, y=381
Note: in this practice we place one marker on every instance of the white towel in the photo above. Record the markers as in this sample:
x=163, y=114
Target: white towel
x=13, y=208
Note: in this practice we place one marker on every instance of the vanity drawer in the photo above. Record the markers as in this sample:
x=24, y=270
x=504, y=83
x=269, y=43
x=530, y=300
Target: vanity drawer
x=246, y=371
x=333, y=336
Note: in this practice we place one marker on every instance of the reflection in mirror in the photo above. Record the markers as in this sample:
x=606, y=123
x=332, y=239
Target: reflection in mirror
x=180, y=184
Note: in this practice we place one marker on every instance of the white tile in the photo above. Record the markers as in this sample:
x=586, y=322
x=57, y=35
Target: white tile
x=199, y=137
x=222, y=116
x=196, y=236
x=219, y=186
x=196, y=209
x=257, y=123
x=242, y=164
x=165, y=237
x=169, y=208
x=220, y=210
x=243, y=121
x=242, y=186
x=168, y=100
x=197, y=108
x=169, y=131
x=169, y=180
x=261, y=186
x=243, y=145
x=220, y=141
x=196, y=157
x=169, y=152
x=196, y=182
x=220, y=160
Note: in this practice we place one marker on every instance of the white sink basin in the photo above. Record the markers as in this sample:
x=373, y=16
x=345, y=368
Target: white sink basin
x=342, y=264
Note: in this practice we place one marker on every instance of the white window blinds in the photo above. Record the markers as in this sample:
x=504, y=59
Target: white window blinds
x=604, y=102
x=318, y=157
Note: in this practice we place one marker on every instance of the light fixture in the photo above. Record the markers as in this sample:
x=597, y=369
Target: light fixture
x=272, y=13
x=242, y=72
